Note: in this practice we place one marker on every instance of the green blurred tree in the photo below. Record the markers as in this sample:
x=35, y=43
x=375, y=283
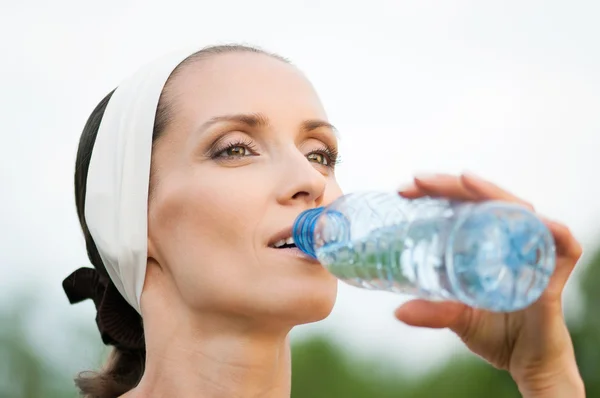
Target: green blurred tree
x=586, y=332
x=24, y=370
x=321, y=369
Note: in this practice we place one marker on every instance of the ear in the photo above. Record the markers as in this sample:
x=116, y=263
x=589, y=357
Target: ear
x=152, y=254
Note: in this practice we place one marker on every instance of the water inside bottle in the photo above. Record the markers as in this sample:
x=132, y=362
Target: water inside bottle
x=499, y=260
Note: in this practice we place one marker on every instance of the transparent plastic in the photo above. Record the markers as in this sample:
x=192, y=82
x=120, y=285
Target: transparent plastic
x=492, y=255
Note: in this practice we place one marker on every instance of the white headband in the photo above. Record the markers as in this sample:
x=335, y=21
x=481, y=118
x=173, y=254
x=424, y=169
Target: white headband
x=116, y=201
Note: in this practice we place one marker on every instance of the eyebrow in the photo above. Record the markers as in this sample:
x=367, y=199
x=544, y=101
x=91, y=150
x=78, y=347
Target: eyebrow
x=261, y=120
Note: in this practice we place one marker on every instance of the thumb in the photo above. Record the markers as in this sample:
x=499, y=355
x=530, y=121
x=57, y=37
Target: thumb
x=430, y=314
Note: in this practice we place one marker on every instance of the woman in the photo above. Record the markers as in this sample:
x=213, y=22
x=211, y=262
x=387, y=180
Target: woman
x=185, y=239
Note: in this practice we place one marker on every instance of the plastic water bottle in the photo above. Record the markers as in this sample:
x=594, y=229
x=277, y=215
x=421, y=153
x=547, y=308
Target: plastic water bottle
x=492, y=255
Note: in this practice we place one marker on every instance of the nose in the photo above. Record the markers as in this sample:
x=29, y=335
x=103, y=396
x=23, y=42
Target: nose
x=301, y=182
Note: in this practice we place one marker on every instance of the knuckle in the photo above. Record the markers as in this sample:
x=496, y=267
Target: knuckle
x=573, y=246
x=577, y=250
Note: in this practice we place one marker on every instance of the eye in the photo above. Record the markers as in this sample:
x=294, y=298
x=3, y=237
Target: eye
x=236, y=149
x=325, y=156
x=318, y=158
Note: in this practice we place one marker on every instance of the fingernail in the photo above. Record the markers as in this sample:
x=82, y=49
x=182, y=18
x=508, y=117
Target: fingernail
x=426, y=176
x=472, y=175
x=406, y=187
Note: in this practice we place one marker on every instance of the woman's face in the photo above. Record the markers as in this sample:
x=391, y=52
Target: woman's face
x=248, y=148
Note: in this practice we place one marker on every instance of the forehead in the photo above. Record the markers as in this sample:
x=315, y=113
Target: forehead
x=243, y=83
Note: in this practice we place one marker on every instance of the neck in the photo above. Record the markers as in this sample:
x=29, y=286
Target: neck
x=193, y=362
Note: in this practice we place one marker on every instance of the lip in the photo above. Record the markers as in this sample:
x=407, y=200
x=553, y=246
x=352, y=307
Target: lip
x=297, y=253
x=283, y=234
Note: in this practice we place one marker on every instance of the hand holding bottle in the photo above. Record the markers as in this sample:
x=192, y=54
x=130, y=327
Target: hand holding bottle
x=533, y=344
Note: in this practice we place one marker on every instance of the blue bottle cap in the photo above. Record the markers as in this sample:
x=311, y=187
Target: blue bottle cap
x=303, y=230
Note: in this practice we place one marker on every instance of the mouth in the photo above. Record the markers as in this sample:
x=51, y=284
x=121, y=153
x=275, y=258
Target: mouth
x=283, y=240
x=284, y=243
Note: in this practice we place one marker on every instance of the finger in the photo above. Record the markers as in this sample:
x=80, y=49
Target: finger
x=566, y=244
x=486, y=190
x=443, y=185
x=411, y=191
x=429, y=314
x=568, y=250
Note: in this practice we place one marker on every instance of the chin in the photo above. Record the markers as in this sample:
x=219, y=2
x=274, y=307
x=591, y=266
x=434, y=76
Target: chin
x=316, y=314
x=312, y=303
x=287, y=300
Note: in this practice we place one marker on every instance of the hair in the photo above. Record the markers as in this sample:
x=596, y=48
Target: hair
x=124, y=368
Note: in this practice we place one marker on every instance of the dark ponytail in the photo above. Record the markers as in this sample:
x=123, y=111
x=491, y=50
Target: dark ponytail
x=122, y=371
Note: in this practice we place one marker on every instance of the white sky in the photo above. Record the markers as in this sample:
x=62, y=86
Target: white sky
x=509, y=90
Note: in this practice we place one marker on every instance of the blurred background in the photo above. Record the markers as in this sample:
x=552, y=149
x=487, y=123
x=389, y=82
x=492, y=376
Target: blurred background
x=508, y=90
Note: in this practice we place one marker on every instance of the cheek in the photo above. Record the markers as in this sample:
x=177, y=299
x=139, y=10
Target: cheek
x=332, y=191
x=203, y=225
